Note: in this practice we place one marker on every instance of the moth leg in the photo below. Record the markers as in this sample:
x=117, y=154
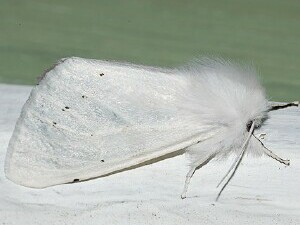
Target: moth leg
x=269, y=153
x=276, y=157
x=277, y=106
x=198, y=164
x=187, y=181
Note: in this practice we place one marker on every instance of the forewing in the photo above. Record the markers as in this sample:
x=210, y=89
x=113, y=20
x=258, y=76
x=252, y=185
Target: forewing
x=88, y=118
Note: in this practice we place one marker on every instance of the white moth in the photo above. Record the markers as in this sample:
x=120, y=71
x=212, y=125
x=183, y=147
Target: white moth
x=88, y=118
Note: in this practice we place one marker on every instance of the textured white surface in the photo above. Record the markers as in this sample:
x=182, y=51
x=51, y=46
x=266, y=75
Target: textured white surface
x=262, y=192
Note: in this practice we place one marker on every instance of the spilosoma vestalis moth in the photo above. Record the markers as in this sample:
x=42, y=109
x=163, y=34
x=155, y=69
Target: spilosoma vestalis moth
x=88, y=118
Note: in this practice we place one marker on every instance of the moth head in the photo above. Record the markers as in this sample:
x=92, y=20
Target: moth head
x=248, y=125
x=257, y=123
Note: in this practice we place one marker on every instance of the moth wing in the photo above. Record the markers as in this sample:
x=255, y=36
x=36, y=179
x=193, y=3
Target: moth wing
x=88, y=118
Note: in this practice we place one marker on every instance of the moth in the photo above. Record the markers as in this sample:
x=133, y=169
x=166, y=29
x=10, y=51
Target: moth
x=88, y=118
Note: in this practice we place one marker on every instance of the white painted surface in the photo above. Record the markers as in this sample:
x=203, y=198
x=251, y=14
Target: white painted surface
x=262, y=191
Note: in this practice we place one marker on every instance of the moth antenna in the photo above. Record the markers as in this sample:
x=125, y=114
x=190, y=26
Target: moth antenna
x=237, y=162
x=231, y=168
x=269, y=153
x=282, y=106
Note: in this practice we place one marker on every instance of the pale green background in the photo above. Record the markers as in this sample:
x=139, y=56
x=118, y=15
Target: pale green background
x=36, y=33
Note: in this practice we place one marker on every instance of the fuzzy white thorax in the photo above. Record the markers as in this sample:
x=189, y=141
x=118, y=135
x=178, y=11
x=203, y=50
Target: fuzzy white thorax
x=226, y=96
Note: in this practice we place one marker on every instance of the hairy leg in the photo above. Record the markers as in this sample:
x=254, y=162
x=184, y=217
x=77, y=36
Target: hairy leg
x=197, y=165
